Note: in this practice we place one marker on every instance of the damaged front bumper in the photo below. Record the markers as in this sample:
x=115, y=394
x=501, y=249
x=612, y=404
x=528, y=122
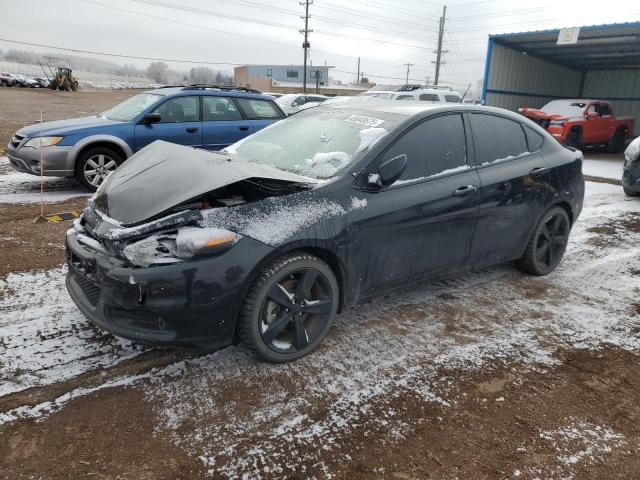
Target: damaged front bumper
x=188, y=305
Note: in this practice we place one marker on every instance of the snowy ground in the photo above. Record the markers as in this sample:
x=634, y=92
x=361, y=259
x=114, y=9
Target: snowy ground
x=301, y=415
x=603, y=167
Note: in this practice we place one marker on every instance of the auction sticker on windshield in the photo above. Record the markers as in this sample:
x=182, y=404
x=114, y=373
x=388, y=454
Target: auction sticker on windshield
x=363, y=120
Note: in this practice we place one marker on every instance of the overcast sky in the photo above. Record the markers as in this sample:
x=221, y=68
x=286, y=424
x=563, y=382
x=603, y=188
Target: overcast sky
x=385, y=34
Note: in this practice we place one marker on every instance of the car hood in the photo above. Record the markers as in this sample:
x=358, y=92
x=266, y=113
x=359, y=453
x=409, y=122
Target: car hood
x=64, y=127
x=164, y=175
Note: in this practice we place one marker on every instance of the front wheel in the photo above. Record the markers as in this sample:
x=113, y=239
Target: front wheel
x=290, y=308
x=547, y=244
x=94, y=165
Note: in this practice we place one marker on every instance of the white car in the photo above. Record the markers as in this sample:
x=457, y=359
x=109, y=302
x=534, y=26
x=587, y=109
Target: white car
x=433, y=95
x=294, y=102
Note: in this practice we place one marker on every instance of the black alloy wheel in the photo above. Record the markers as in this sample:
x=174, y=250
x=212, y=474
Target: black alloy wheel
x=548, y=243
x=290, y=308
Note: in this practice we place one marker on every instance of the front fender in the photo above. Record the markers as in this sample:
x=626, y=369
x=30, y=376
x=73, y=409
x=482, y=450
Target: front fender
x=101, y=138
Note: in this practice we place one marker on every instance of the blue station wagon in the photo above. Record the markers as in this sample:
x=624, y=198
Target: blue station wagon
x=90, y=148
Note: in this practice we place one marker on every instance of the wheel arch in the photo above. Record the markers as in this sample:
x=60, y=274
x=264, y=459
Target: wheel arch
x=322, y=252
x=107, y=141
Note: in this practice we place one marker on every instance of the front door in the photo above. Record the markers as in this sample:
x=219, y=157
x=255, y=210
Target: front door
x=423, y=224
x=179, y=123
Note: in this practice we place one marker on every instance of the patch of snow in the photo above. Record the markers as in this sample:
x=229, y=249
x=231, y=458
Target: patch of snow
x=358, y=203
x=461, y=168
x=369, y=137
x=601, y=167
x=582, y=441
x=632, y=153
x=44, y=337
x=279, y=220
x=324, y=164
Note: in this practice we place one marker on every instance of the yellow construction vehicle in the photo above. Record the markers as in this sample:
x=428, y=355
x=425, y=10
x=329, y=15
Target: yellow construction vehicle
x=63, y=80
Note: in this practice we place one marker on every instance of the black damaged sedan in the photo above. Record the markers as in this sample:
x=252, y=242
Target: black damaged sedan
x=267, y=241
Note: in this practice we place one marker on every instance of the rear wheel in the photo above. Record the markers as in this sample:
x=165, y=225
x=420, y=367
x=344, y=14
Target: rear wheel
x=616, y=144
x=94, y=165
x=547, y=244
x=290, y=308
x=630, y=193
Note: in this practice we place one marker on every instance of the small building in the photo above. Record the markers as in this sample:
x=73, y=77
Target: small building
x=282, y=73
x=289, y=79
x=532, y=68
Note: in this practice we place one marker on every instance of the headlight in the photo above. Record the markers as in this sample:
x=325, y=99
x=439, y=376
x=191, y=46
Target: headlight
x=43, y=142
x=183, y=244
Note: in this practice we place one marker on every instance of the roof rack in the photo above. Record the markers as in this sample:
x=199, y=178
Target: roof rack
x=409, y=88
x=202, y=86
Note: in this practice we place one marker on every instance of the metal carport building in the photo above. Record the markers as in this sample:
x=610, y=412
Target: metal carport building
x=596, y=62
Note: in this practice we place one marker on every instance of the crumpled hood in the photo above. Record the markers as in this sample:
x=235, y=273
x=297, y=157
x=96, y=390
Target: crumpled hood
x=64, y=127
x=164, y=175
x=536, y=114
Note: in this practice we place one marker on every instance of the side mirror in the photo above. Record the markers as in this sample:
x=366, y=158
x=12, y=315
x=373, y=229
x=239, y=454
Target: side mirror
x=592, y=115
x=150, y=118
x=389, y=171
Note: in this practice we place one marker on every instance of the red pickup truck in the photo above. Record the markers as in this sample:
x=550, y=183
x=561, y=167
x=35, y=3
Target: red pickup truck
x=583, y=122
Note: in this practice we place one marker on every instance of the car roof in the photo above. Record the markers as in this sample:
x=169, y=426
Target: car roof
x=208, y=91
x=409, y=108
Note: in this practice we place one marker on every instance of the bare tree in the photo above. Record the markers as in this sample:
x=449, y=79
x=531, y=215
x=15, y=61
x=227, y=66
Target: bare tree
x=157, y=71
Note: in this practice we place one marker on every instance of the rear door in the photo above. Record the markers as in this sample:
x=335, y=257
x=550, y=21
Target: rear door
x=179, y=123
x=259, y=112
x=423, y=224
x=222, y=122
x=515, y=185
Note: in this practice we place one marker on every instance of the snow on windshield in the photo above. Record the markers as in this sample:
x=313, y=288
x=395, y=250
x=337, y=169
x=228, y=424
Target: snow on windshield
x=318, y=143
x=327, y=164
x=565, y=107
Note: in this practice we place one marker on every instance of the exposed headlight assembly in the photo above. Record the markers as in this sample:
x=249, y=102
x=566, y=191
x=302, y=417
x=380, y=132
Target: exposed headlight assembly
x=182, y=244
x=43, y=142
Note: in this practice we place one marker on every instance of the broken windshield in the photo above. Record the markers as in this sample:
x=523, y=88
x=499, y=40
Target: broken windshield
x=318, y=143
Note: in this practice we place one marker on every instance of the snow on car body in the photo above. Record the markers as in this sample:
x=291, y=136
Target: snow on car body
x=266, y=241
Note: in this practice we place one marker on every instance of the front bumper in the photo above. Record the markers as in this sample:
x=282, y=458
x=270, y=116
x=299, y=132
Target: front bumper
x=631, y=175
x=56, y=160
x=188, y=305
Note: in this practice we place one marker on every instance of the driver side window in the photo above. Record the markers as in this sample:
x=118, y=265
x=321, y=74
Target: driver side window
x=179, y=109
x=432, y=147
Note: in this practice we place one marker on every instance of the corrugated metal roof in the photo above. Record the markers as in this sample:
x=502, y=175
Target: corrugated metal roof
x=598, y=47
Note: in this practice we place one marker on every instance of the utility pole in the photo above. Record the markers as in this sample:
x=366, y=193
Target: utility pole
x=305, y=44
x=358, y=76
x=409, y=65
x=439, y=52
x=317, y=81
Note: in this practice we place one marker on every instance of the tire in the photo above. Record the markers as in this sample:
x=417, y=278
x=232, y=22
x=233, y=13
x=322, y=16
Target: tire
x=616, y=144
x=103, y=160
x=547, y=244
x=53, y=85
x=67, y=86
x=282, y=328
x=630, y=193
x=74, y=86
x=574, y=138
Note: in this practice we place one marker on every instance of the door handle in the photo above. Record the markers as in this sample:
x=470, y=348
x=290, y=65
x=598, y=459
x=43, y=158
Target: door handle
x=192, y=129
x=464, y=190
x=536, y=172
x=244, y=128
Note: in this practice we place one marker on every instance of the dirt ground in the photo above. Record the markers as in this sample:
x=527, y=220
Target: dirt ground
x=21, y=106
x=490, y=375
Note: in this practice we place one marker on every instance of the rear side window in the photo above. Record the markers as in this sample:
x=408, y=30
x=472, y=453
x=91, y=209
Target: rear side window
x=219, y=108
x=452, y=98
x=432, y=147
x=496, y=138
x=534, y=139
x=404, y=97
x=257, y=109
x=429, y=97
